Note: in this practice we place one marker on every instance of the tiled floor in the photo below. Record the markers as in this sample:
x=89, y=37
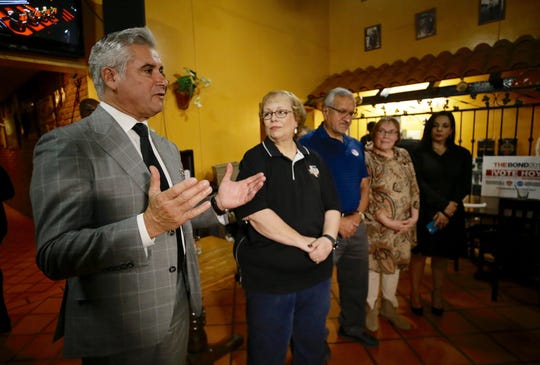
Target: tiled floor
x=473, y=330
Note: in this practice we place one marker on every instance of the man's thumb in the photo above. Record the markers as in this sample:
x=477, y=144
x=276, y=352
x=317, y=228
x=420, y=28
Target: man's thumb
x=228, y=172
x=154, y=181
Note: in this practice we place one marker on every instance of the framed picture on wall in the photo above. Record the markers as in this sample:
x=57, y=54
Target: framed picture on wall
x=425, y=24
x=490, y=11
x=372, y=37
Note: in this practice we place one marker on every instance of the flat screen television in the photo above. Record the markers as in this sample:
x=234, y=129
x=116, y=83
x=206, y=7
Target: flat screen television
x=44, y=26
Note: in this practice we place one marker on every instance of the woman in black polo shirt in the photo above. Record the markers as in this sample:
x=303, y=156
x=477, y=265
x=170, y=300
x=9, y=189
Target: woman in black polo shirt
x=290, y=229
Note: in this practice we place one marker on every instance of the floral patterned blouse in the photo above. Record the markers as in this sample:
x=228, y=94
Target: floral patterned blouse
x=395, y=192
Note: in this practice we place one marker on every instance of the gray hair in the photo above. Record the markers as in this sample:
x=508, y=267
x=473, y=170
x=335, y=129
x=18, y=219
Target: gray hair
x=113, y=51
x=338, y=91
x=298, y=108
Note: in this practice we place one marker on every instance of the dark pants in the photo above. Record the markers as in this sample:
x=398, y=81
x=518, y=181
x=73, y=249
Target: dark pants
x=352, y=262
x=276, y=320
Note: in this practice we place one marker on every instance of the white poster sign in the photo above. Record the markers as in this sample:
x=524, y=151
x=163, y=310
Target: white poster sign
x=511, y=176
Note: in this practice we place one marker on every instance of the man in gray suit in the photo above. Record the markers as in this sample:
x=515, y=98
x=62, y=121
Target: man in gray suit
x=104, y=223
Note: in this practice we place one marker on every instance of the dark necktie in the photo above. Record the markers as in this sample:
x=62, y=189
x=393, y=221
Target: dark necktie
x=150, y=159
x=148, y=155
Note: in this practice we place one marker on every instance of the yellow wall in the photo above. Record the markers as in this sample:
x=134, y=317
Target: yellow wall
x=249, y=47
x=456, y=27
x=246, y=48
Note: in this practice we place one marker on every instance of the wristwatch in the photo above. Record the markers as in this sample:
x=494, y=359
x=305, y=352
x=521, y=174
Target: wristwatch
x=216, y=207
x=331, y=239
x=362, y=215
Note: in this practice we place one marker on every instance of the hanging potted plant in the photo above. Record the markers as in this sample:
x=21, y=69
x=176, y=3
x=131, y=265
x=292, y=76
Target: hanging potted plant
x=187, y=86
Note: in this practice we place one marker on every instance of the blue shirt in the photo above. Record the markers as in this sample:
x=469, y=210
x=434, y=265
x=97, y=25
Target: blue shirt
x=346, y=162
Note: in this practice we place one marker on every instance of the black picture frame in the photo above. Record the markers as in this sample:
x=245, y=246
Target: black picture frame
x=490, y=11
x=372, y=37
x=426, y=24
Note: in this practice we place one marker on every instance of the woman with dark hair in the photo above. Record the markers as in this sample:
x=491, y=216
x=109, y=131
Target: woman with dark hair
x=443, y=170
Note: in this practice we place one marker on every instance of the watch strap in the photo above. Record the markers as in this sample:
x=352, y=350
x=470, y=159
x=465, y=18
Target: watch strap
x=216, y=207
x=331, y=239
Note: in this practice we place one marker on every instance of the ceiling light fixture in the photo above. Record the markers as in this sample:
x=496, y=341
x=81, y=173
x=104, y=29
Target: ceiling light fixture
x=368, y=93
x=406, y=88
x=462, y=86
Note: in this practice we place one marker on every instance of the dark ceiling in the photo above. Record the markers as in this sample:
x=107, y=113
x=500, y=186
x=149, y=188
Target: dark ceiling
x=13, y=78
x=17, y=70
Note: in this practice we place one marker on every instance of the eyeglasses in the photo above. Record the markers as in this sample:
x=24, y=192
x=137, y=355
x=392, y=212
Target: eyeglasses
x=344, y=113
x=383, y=132
x=280, y=114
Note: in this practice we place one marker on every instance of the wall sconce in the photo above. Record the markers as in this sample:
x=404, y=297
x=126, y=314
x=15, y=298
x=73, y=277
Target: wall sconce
x=59, y=96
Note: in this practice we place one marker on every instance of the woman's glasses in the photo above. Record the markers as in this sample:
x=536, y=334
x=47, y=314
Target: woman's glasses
x=280, y=114
x=384, y=132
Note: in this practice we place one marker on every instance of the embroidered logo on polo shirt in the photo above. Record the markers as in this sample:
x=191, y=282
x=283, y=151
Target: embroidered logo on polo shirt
x=313, y=170
x=355, y=152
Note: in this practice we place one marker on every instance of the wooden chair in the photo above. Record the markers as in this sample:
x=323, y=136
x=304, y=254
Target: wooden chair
x=511, y=247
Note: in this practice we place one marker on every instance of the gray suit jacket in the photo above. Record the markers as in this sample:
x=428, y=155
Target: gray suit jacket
x=88, y=185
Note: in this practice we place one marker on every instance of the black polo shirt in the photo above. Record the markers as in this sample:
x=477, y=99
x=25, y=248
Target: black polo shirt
x=298, y=191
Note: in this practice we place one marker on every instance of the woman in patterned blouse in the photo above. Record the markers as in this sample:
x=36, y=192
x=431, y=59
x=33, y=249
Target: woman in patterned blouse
x=391, y=225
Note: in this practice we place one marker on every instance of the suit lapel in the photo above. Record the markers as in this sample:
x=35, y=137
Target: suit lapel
x=112, y=138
